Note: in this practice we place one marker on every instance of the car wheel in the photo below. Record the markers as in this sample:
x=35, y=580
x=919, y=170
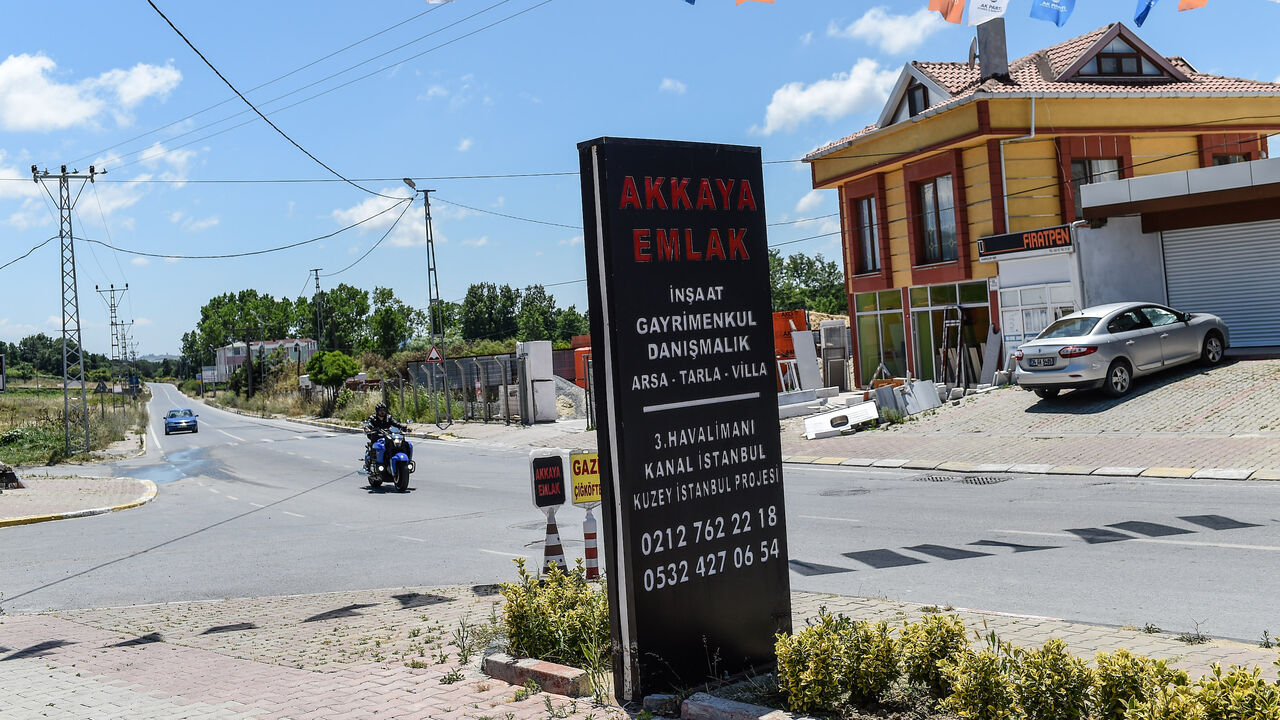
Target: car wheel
x=1213, y=350
x=1119, y=379
x=166, y=431
x=1047, y=393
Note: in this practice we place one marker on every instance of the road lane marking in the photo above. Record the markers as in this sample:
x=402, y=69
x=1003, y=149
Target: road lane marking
x=215, y=490
x=257, y=504
x=406, y=537
x=1033, y=532
x=823, y=517
x=233, y=437
x=267, y=440
x=155, y=439
x=503, y=554
x=1228, y=546
x=327, y=462
x=473, y=487
x=286, y=512
x=291, y=452
x=232, y=497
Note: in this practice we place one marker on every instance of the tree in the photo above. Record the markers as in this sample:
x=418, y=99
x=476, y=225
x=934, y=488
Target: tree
x=329, y=370
x=489, y=312
x=570, y=322
x=536, y=318
x=392, y=322
x=344, y=314
x=800, y=282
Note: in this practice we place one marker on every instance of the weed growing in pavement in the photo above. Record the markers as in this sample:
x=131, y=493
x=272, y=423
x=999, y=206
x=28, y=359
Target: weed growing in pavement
x=531, y=688
x=464, y=639
x=1151, y=629
x=556, y=713
x=597, y=665
x=1195, y=637
x=451, y=677
x=418, y=664
x=1267, y=641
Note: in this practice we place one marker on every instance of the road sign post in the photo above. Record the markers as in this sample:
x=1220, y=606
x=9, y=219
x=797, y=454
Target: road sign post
x=687, y=413
x=547, y=470
x=585, y=469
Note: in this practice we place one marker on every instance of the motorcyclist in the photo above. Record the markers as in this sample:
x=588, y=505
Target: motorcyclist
x=375, y=425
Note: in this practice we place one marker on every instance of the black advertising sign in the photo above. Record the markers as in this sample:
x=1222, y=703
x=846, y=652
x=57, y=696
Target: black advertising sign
x=548, y=480
x=690, y=456
x=1051, y=239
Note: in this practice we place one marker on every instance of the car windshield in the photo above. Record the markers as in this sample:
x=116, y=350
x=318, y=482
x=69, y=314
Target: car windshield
x=1069, y=327
x=179, y=413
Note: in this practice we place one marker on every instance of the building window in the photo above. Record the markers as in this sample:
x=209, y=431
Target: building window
x=1229, y=159
x=1089, y=171
x=937, y=220
x=917, y=99
x=1120, y=59
x=881, y=332
x=868, y=235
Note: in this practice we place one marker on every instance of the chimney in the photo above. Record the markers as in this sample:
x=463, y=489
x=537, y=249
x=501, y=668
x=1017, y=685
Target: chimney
x=993, y=55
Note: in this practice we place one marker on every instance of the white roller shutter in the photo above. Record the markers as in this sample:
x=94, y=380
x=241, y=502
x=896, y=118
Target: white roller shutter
x=1232, y=271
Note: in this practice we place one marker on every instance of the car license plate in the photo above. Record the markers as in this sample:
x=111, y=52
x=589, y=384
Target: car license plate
x=1042, y=362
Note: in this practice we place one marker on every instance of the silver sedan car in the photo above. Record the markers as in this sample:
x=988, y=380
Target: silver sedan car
x=1107, y=346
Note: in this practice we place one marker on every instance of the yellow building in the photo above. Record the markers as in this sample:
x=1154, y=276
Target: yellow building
x=959, y=206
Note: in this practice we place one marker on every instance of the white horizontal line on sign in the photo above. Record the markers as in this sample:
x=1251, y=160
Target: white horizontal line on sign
x=703, y=401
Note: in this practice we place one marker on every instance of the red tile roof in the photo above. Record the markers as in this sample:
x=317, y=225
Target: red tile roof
x=1026, y=78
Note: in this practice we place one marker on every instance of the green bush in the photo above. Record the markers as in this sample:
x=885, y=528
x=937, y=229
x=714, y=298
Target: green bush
x=872, y=664
x=1122, y=678
x=981, y=685
x=554, y=617
x=811, y=664
x=926, y=645
x=1239, y=694
x=1051, y=684
x=1178, y=702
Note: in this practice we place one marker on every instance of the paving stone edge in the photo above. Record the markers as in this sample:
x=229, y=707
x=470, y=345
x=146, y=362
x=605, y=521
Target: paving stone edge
x=1258, y=474
x=147, y=496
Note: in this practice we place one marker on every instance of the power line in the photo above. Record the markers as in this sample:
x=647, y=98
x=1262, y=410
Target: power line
x=375, y=245
x=511, y=217
x=272, y=81
x=253, y=252
x=332, y=89
x=24, y=255
x=255, y=109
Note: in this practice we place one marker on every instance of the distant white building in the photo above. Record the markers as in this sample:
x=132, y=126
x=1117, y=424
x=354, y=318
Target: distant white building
x=232, y=356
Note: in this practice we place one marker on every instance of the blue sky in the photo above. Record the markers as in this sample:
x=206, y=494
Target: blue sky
x=112, y=84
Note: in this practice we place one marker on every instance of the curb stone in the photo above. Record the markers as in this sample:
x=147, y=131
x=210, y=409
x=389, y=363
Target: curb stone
x=147, y=497
x=701, y=706
x=1039, y=469
x=552, y=678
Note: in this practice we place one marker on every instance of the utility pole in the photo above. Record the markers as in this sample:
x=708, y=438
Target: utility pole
x=316, y=300
x=435, y=307
x=113, y=302
x=75, y=406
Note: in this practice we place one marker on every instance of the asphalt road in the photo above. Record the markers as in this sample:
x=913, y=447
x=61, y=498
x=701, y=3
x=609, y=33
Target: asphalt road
x=253, y=507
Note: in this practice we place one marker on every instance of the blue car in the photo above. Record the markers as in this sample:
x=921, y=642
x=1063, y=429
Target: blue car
x=180, y=419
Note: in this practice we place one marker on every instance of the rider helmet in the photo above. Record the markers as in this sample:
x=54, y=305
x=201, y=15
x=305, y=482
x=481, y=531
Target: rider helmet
x=380, y=409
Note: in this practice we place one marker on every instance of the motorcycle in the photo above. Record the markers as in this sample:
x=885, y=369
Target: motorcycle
x=392, y=459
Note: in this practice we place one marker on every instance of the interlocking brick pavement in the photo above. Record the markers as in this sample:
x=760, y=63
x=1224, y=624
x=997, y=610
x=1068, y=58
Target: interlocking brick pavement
x=1220, y=418
x=377, y=654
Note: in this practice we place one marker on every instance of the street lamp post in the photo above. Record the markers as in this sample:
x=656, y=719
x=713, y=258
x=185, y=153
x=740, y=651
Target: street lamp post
x=435, y=308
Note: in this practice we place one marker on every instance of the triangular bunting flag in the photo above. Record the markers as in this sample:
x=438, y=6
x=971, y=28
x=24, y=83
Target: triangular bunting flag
x=951, y=10
x=1191, y=4
x=983, y=10
x=1055, y=11
x=1144, y=9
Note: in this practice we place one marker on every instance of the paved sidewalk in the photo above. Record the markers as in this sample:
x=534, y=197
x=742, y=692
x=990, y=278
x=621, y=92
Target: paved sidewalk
x=376, y=654
x=1218, y=423
x=56, y=498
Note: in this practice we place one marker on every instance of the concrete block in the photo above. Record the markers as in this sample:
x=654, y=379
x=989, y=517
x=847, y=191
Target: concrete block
x=957, y=466
x=1265, y=475
x=797, y=396
x=1072, y=470
x=1162, y=185
x=1120, y=471
x=1222, y=474
x=921, y=464
x=826, y=392
x=1220, y=177
x=789, y=411
x=552, y=678
x=1031, y=468
x=1169, y=472
x=866, y=462
x=661, y=704
x=701, y=706
x=889, y=463
x=1266, y=171
x=1106, y=193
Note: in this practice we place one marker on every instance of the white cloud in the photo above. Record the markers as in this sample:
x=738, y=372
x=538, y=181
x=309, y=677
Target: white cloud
x=436, y=91
x=177, y=160
x=811, y=201
x=672, y=86
x=807, y=38
x=171, y=260
x=575, y=240
x=203, y=224
x=32, y=99
x=140, y=82
x=500, y=202
x=408, y=233
x=465, y=145
x=526, y=95
x=142, y=321
x=16, y=189
x=863, y=87
x=477, y=242
x=30, y=214
x=140, y=261
x=891, y=33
